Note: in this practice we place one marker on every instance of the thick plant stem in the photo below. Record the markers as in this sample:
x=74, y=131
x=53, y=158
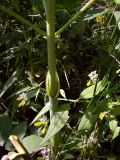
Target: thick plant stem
x=54, y=107
x=50, y=22
x=52, y=81
x=75, y=17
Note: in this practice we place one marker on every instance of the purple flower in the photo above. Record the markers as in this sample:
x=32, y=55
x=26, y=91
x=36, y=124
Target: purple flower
x=45, y=153
x=100, y=6
x=5, y=158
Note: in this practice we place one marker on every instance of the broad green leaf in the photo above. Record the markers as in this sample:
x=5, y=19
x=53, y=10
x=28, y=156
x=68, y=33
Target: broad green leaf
x=87, y=121
x=102, y=106
x=114, y=129
x=57, y=123
x=113, y=125
x=31, y=93
x=117, y=1
x=64, y=107
x=116, y=133
x=43, y=111
x=89, y=92
x=117, y=17
x=9, y=82
x=5, y=128
x=19, y=131
x=32, y=143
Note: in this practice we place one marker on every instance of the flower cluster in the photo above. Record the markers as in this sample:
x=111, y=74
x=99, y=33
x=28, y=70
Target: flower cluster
x=42, y=124
x=100, y=20
x=45, y=153
x=21, y=100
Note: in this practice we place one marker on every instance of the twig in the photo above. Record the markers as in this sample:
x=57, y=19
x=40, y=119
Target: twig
x=22, y=151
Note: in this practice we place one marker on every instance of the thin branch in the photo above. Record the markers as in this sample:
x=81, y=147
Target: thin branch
x=5, y=107
x=72, y=100
x=75, y=17
x=23, y=20
x=22, y=151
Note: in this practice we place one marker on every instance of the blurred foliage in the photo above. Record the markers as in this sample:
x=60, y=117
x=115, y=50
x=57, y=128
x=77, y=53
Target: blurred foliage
x=89, y=44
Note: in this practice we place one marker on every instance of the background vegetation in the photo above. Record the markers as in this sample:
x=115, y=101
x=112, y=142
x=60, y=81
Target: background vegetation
x=88, y=67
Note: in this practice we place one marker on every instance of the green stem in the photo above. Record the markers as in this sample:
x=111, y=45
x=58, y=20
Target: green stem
x=74, y=17
x=50, y=24
x=52, y=77
x=56, y=138
x=50, y=17
x=23, y=20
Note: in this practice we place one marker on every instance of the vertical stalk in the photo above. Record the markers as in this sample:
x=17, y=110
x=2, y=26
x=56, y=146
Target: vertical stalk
x=50, y=24
x=52, y=79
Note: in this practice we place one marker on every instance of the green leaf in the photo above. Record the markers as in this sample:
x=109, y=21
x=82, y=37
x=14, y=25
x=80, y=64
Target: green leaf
x=89, y=92
x=5, y=127
x=62, y=92
x=32, y=143
x=114, y=108
x=57, y=123
x=68, y=156
x=64, y=107
x=117, y=17
x=117, y=46
x=94, y=13
x=43, y=111
x=87, y=121
x=9, y=82
x=114, y=129
x=20, y=91
x=116, y=133
x=19, y=130
x=113, y=125
x=31, y=93
x=117, y=1
x=89, y=118
x=111, y=156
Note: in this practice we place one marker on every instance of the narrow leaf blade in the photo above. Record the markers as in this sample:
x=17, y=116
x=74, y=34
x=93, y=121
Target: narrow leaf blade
x=9, y=83
x=58, y=121
x=43, y=111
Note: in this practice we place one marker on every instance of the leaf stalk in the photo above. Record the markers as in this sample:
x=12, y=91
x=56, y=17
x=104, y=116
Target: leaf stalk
x=77, y=15
x=23, y=20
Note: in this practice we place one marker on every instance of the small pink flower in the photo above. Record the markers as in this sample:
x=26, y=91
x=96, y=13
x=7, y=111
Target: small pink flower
x=5, y=158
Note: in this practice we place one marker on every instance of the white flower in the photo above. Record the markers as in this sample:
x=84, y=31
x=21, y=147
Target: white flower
x=93, y=76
